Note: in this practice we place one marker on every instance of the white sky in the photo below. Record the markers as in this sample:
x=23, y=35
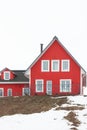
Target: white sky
x=24, y=24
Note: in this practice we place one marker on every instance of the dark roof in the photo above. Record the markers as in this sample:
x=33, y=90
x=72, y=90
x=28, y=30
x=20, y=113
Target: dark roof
x=19, y=77
x=54, y=38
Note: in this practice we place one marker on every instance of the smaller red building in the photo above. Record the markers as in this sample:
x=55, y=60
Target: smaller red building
x=56, y=72
x=13, y=83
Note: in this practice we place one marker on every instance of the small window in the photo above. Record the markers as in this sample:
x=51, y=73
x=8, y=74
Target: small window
x=39, y=85
x=45, y=66
x=9, y=92
x=65, y=65
x=1, y=92
x=55, y=65
x=65, y=85
x=6, y=75
x=25, y=91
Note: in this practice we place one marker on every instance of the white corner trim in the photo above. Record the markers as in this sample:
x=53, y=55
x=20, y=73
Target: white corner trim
x=82, y=72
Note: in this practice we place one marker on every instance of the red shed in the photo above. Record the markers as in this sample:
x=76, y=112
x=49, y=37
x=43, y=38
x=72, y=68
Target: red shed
x=55, y=72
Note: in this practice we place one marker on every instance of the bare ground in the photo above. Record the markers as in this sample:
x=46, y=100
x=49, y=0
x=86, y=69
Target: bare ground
x=36, y=104
x=28, y=104
x=71, y=117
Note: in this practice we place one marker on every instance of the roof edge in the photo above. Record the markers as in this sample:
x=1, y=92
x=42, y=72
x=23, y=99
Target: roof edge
x=54, y=38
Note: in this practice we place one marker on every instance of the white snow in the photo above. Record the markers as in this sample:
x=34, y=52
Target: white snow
x=52, y=119
x=85, y=91
x=78, y=100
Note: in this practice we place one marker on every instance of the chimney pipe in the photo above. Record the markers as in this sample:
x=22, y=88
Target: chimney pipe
x=41, y=48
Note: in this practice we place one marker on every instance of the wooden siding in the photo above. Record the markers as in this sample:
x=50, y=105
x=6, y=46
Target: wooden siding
x=56, y=52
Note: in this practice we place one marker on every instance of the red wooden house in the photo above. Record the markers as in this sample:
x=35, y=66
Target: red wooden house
x=13, y=83
x=56, y=72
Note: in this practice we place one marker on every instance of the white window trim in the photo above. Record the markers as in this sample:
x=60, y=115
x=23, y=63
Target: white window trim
x=5, y=73
x=8, y=91
x=68, y=66
x=42, y=66
x=52, y=65
x=42, y=84
x=65, y=80
x=23, y=94
x=2, y=92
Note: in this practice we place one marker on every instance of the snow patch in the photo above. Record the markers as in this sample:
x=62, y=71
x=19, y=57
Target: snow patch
x=52, y=119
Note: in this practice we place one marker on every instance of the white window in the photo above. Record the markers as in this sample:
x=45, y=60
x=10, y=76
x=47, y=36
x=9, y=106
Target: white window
x=65, y=85
x=25, y=91
x=39, y=85
x=9, y=92
x=66, y=65
x=45, y=65
x=6, y=75
x=1, y=92
x=55, y=65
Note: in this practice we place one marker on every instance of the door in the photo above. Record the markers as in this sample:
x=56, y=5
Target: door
x=49, y=87
x=9, y=92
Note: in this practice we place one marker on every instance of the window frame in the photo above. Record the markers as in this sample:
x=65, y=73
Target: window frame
x=8, y=92
x=2, y=92
x=23, y=91
x=37, y=86
x=6, y=72
x=42, y=67
x=65, y=89
x=68, y=68
x=57, y=70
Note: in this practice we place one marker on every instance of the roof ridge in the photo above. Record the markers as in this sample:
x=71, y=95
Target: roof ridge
x=52, y=41
x=55, y=38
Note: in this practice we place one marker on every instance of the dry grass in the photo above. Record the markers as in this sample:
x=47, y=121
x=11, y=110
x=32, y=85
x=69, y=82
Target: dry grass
x=74, y=128
x=70, y=108
x=71, y=117
x=28, y=104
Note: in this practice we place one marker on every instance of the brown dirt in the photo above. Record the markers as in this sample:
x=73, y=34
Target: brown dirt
x=28, y=104
x=69, y=108
x=71, y=117
x=74, y=128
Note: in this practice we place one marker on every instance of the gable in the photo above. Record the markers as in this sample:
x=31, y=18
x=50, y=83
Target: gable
x=16, y=76
x=7, y=74
x=55, y=51
x=54, y=48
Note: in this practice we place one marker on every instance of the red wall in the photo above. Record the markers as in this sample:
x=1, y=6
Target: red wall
x=56, y=51
x=16, y=88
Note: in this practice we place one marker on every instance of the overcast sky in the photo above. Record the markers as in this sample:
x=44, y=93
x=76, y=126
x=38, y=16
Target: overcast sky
x=24, y=24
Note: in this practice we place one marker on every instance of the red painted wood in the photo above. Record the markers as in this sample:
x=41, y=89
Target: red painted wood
x=56, y=52
x=16, y=89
